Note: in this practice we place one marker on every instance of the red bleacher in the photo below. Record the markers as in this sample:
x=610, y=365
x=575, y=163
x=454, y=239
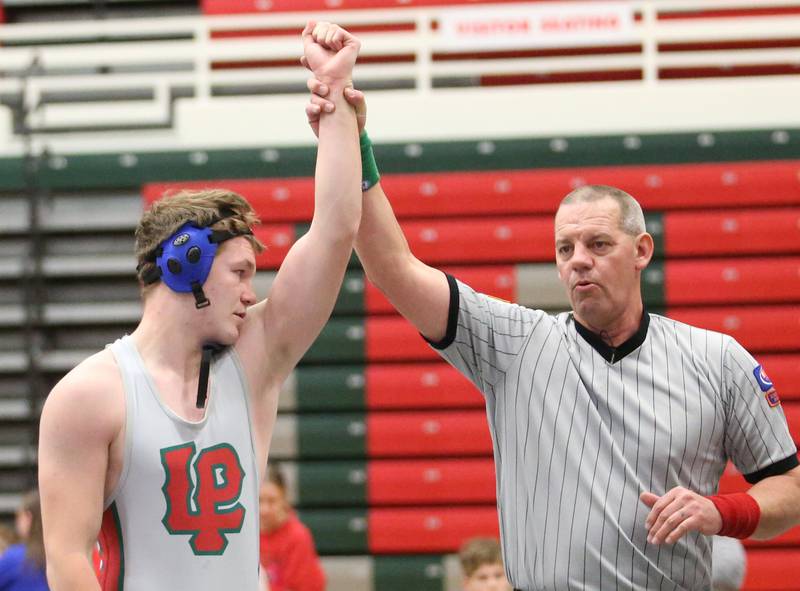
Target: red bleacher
x=734, y=232
x=431, y=481
x=523, y=239
x=423, y=385
x=505, y=192
x=508, y=239
x=428, y=434
x=429, y=529
x=278, y=238
x=732, y=281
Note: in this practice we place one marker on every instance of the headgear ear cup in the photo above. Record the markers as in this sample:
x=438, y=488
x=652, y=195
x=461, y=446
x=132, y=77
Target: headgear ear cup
x=186, y=258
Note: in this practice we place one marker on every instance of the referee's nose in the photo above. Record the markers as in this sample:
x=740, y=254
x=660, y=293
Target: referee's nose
x=581, y=258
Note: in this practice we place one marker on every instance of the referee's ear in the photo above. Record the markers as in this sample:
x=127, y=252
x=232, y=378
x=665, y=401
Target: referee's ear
x=644, y=250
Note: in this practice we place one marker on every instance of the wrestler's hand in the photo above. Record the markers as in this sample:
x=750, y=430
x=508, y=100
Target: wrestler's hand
x=677, y=513
x=318, y=104
x=329, y=52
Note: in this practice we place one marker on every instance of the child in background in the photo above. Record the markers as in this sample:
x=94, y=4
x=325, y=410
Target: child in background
x=482, y=565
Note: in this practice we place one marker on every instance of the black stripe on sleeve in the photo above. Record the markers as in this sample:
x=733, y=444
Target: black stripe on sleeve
x=776, y=469
x=452, y=317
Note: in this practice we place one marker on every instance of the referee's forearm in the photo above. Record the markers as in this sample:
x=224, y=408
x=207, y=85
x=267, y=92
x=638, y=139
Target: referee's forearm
x=380, y=244
x=779, y=500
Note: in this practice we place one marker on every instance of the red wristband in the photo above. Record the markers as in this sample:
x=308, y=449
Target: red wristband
x=740, y=514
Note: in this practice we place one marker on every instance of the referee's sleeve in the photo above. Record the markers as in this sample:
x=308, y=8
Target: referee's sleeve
x=484, y=334
x=757, y=438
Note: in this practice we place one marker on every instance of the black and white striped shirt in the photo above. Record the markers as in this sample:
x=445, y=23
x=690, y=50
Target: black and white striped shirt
x=579, y=430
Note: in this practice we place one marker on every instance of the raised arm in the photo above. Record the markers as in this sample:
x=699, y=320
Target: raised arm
x=76, y=430
x=419, y=292
x=305, y=289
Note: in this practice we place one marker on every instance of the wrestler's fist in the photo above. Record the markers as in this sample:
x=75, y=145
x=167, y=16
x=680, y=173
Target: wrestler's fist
x=329, y=52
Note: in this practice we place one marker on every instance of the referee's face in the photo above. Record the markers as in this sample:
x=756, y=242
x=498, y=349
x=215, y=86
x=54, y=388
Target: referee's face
x=600, y=265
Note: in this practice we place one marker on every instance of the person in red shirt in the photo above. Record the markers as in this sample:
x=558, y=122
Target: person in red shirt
x=288, y=556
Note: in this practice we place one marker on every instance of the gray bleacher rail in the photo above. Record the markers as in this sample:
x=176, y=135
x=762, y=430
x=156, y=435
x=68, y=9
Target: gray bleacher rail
x=106, y=74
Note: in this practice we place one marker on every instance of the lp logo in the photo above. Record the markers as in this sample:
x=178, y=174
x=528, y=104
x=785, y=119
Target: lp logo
x=207, y=508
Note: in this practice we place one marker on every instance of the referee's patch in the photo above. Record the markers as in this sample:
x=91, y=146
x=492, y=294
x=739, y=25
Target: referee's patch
x=766, y=386
x=772, y=398
x=763, y=381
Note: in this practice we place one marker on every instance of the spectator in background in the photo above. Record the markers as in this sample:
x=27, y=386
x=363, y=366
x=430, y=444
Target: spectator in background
x=728, y=564
x=288, y=555
x=482, y=565
x=22, y=566
x=7, y=537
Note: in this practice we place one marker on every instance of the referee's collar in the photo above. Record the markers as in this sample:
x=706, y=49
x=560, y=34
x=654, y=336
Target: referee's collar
x=614, y=354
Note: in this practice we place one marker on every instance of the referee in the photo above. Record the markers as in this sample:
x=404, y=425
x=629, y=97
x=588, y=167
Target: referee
x=611, y=426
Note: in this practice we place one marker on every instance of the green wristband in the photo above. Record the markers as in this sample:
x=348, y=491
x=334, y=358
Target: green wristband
x=369, y=169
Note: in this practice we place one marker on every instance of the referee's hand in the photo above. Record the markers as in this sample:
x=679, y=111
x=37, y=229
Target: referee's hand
x=678, y=512
x=319, y=103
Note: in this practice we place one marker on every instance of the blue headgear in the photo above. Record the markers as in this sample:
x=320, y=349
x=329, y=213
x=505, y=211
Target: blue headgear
x=183, y=261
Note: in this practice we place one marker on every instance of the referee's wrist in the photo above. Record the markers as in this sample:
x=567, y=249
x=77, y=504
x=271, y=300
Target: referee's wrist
x=740, y=514
x=369, y=168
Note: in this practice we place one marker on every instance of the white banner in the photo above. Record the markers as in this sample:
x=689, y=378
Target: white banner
x=536, y=25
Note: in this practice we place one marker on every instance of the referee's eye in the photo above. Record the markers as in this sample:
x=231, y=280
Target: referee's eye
x=601, y=245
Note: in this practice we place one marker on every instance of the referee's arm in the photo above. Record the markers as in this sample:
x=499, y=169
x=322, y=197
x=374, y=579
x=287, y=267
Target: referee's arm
x=779, y=500
x=419, y=292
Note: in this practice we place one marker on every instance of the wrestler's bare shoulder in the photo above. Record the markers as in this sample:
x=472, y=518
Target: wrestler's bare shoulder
x=93, y=387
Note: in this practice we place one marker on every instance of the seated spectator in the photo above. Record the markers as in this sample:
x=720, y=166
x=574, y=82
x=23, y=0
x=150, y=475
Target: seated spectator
x=288, y=555
x=482, y=565
x=728, y=564
x=22, y=566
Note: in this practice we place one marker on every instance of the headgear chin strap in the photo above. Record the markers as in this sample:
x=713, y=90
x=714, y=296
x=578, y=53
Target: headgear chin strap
x=183, y=262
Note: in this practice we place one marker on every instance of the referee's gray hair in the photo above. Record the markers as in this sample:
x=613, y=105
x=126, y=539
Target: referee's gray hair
x=631, y=217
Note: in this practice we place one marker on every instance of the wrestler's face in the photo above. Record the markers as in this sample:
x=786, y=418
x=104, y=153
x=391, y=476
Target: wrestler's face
x=488, y=577
x=229, y=288
x=273, y=506
x=599, y=264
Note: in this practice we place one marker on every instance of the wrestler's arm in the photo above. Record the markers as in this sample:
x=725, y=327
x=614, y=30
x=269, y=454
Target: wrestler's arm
x=306, y=286
x=77, y=427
